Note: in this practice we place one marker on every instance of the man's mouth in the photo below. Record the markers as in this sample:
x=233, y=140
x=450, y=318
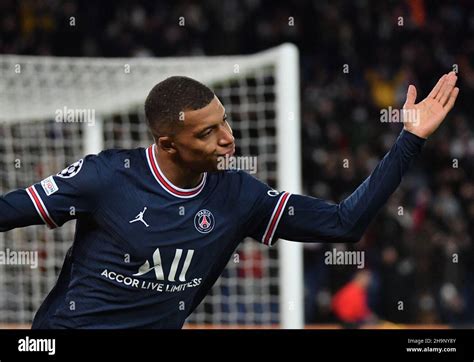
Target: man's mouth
x=228, y=153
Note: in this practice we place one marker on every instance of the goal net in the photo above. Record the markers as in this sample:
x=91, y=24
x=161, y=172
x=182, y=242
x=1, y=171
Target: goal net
x=105, y=98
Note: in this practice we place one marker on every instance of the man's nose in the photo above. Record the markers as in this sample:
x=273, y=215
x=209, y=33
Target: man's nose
x=226, y=136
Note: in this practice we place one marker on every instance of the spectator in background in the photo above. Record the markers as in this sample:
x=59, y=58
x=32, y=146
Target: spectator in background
x=350, y=303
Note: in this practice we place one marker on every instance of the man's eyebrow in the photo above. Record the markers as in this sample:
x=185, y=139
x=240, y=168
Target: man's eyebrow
x=206, y=128
x=224, y=118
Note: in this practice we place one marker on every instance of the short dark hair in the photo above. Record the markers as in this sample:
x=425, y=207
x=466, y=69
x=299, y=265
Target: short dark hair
x=169, y=98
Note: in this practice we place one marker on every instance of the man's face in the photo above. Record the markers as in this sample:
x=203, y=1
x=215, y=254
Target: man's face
x=203, y=137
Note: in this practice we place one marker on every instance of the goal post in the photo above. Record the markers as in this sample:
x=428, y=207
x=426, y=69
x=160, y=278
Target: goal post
x=289, y=179
x=55, y=110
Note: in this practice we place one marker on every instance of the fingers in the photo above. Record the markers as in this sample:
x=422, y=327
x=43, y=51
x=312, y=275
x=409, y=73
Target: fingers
x=447, y=88
x=411, y=95
x=437, y=87
x=452, y=99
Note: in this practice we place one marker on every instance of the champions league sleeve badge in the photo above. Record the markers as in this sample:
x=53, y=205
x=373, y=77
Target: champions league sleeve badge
x=71, y=170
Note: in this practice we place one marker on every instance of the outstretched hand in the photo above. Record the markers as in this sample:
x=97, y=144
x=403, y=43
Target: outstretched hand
x=423, y=118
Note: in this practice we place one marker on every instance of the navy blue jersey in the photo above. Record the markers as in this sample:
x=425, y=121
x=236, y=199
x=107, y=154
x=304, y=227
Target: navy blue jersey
x=146, y=252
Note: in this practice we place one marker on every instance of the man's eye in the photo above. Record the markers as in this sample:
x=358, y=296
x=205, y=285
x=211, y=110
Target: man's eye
x=205, y=134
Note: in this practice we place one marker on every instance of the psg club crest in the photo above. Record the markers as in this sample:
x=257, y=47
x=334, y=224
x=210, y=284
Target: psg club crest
x=204, y=221
x=72, y=170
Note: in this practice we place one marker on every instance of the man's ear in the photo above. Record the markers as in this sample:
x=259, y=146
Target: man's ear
x=166, y=144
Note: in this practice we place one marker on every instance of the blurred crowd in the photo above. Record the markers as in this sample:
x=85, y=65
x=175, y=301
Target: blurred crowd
x=357, y=58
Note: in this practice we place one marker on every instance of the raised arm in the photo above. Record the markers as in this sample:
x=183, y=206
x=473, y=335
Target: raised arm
x=313, y=220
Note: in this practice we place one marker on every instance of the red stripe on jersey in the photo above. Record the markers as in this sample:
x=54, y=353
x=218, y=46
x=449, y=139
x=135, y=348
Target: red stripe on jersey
x=40, y=208
x=277, y=213
x=168, y=186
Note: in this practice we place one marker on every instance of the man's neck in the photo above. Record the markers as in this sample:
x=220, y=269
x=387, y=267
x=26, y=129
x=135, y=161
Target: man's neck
x=178, y=176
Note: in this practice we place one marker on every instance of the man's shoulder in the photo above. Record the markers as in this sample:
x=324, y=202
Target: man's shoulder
x=240, y=179
x=118, y=158
x=119, y=154
x=230, y=175
x=110, y=163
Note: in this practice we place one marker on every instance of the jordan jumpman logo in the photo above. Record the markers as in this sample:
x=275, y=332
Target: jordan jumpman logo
x=139, y=217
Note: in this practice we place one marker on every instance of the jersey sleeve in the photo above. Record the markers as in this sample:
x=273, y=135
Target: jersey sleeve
x=73, y=192
x=16, y=210
x=308, y=219
x=264, y=208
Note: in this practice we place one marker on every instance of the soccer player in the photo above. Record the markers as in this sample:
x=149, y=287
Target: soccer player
x=156, y=226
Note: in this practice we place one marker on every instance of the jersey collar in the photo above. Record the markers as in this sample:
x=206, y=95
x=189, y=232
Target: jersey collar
x=165, y=183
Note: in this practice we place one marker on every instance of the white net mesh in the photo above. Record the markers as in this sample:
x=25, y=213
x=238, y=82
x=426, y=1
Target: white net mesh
x=33, y=145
